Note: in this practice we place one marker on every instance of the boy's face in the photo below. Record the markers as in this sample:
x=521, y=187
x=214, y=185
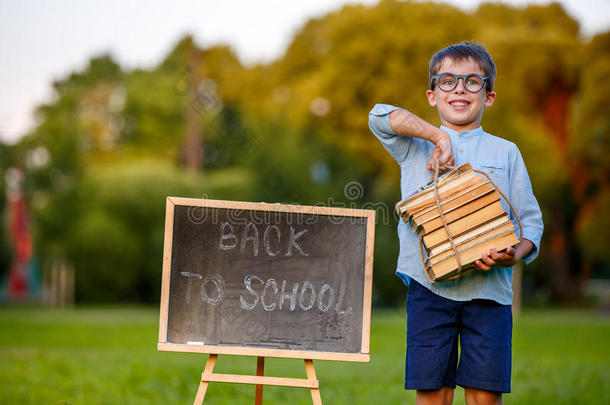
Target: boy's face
x=460, y=109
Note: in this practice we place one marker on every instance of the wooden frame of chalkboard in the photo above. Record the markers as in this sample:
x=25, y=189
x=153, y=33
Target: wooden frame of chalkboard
x=266, y=280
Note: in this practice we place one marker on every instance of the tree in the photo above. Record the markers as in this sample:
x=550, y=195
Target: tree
x=295, y=130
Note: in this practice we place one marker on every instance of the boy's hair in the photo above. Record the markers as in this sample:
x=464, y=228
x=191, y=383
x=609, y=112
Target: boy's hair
x=465, y=50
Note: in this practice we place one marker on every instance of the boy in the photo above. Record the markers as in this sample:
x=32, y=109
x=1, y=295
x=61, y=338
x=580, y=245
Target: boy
x=476, y=308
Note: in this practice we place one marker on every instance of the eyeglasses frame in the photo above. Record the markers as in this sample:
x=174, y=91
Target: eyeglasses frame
x=457, y=78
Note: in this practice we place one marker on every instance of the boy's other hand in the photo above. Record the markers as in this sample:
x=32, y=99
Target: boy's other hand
x=442, y=151
x=493, y=258
x=504, y=258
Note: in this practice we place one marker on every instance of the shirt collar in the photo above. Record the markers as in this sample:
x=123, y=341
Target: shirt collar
x=470, y=133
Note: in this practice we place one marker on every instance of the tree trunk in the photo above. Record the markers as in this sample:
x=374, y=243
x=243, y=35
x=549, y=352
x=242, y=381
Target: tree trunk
x=564, y=280
x=566, y=274
x=194, y=133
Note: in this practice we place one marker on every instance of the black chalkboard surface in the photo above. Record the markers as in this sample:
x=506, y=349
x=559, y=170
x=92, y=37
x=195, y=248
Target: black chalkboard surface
x=266, y=280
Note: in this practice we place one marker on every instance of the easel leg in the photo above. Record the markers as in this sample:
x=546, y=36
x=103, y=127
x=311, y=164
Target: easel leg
x=203, y=385
x=260, y=370
x=311, y=374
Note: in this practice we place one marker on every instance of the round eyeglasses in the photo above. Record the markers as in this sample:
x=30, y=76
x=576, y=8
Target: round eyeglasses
x=448, y=81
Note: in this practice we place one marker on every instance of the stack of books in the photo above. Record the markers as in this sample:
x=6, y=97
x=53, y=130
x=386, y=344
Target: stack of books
x=474, y=216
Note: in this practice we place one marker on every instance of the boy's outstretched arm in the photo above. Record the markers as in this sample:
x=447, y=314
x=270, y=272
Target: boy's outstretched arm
x=407, y=124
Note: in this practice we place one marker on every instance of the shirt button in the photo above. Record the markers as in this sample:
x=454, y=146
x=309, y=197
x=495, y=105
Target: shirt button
x=491, y=170
x=461, y=150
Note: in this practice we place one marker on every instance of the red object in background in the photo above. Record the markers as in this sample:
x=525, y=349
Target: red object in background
x=18, y=286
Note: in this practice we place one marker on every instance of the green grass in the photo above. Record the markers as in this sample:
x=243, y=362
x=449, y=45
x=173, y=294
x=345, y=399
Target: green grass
x=108, y=356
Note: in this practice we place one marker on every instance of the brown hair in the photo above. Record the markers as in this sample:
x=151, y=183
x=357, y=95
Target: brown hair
x=465, y=50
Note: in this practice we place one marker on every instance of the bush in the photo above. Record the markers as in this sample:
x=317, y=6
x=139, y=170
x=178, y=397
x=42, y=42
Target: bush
x=115, y=225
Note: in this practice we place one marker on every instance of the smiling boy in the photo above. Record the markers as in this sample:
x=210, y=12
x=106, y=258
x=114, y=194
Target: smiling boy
x=473, y=312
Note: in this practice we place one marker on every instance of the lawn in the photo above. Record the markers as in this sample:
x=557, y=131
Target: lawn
x=108, y=356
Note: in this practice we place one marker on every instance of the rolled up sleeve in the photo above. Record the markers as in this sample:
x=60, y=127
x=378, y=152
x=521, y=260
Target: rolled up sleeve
x=379, y=123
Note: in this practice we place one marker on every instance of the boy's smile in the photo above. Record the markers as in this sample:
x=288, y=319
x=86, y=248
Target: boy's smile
x=460, y=109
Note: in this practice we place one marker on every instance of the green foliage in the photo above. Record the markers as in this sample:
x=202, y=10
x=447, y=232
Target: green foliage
x=300, y=167
x=106, y=255
x=118, y=243
x=154, y=112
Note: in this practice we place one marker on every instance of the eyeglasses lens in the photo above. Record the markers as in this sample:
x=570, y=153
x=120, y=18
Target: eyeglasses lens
x=474, y=83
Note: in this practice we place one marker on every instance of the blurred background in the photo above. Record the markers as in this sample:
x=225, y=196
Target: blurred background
x=139, y=101
x=107, y=107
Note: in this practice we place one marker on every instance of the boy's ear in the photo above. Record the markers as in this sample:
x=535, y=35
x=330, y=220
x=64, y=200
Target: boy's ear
x=490, y=98
x=431, y=97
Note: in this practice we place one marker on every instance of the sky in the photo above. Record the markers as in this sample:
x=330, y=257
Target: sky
x=42, y=41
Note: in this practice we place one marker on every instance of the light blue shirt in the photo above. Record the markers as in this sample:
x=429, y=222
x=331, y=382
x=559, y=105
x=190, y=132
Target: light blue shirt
x=500, y=159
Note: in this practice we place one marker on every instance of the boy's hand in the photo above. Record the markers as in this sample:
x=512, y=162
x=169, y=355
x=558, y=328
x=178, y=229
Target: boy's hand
x=442, y=151
x=504, y=258
x=493, y=258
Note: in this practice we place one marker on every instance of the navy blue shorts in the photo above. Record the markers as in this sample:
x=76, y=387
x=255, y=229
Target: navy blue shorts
x=435, y=326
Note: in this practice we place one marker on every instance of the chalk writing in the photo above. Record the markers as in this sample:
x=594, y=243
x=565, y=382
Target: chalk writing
x=224, y=237
x=312, y=296
x=286, y=298
x=331, y=298
x=292, y=297
x=250, y=239
x=248, y=283
x=269, y=283
x=219, y=286
x=189, y=276
x=272, y=296
x=293, y=242
x=267, y=242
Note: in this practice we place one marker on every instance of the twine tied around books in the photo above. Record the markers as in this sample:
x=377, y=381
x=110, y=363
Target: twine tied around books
x=460, y=272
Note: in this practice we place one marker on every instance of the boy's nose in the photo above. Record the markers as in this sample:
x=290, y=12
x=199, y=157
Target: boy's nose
x=461, y=86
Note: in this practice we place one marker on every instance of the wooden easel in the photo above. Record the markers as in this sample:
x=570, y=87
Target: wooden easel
x=259, y=380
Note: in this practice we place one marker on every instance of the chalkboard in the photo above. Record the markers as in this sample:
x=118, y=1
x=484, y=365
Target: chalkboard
x=266, y=279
